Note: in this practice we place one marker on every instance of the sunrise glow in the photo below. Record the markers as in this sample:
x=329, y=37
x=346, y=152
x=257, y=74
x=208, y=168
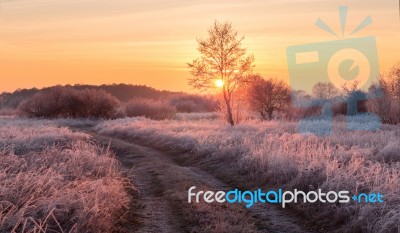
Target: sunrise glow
x=46, y=43
x=219, y=83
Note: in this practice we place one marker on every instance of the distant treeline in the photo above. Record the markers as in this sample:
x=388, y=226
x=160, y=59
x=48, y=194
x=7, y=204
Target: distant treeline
x=106, y=101
x=123, y=92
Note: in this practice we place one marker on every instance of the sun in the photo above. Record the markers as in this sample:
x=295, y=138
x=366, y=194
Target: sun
x=219, y=83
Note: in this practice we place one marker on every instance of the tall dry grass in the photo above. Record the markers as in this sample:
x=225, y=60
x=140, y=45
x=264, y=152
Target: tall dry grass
x=55, y=180
x=273, y=154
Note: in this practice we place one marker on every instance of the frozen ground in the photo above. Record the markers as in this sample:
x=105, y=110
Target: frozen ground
x=273, y=154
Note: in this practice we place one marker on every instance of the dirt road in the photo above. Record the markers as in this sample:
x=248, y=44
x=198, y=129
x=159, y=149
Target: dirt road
x=160, y=204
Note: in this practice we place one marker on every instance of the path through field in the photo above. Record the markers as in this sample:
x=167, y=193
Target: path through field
x=160, y=204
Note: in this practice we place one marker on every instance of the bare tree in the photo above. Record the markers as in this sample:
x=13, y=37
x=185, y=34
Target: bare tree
x=391, y=82
x=350, y=88
x=222, y=60
x=325, y=91
x=268, y=96
x=385, y=95
x=382, y=104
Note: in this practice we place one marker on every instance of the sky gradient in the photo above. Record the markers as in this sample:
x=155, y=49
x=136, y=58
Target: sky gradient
x=149, y=42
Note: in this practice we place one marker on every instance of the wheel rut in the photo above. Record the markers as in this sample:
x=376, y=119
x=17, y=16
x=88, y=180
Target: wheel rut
x=160, y=202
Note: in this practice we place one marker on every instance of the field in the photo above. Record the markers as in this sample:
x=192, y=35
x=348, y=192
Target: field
x=273, y=154
x=63, y=176
x=55, y=180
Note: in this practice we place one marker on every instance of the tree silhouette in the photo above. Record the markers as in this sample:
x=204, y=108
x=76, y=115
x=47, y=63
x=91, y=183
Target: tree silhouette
x=325, y=91
x=268, y=96
x=222, y=58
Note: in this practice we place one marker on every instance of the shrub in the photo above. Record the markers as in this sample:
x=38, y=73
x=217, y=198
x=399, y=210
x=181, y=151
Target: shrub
x=194, y=103
x=339, y=108
x=356, y=103
x=67, y=102
x=382, y=103
x=298, y=113
x=385, y=97
x=8, y=112
x=153, y=109
x=267, y=96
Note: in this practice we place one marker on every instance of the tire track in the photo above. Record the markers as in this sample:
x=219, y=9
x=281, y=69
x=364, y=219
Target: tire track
x=161, y=203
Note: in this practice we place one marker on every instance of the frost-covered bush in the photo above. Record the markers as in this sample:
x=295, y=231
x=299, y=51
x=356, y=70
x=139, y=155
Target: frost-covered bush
x=194, y=103
x=153, y=109
x=66, y=102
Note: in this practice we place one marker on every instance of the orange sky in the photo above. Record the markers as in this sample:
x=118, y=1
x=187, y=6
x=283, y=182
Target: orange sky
x=48, y=42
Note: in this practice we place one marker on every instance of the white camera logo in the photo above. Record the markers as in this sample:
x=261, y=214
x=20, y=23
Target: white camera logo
x=338, y=79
